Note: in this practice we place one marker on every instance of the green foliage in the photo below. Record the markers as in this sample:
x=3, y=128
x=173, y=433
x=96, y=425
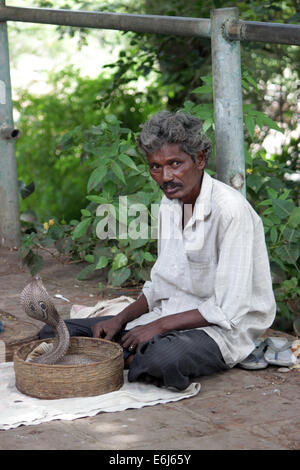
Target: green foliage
x=57, y=144
x=275, y=199
x=59, y=179
x=118, y=171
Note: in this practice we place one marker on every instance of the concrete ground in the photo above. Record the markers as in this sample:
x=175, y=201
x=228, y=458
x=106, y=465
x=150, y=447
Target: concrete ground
x=234, y=410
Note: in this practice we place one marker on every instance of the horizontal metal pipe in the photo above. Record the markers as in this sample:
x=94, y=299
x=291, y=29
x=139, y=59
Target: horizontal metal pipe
x=171, y=25
x=263, y=32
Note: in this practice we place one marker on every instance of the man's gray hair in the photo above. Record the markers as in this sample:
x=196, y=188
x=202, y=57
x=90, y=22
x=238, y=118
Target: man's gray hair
x=174, y=128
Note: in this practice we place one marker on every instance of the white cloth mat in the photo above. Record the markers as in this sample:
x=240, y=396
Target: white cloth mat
x=102, y=308
x=17, y=409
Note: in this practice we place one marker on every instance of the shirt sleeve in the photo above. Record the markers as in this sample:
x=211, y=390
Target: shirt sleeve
x=148, y=293
x=231, y=298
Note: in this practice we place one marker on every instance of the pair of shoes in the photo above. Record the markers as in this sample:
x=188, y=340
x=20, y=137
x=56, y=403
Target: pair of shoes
x=272, y=350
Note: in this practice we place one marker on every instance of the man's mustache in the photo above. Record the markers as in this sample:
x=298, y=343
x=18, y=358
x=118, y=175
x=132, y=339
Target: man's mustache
x=170, y=185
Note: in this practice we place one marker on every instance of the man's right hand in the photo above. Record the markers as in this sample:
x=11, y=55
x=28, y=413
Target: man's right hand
x=107, y=329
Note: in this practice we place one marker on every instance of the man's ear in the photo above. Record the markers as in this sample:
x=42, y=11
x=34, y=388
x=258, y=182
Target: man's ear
x=200, y=160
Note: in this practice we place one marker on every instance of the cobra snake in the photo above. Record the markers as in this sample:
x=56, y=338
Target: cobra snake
x=37, y=304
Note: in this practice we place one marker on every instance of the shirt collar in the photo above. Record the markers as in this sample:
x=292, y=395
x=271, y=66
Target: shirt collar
x=203, y=201
x=202, y=206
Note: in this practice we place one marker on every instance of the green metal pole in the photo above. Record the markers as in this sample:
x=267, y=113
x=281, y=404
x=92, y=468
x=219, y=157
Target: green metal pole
x=9, y=197
x=228, y=104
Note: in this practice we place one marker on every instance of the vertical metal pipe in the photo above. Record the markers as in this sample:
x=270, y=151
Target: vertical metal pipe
x=228, y=105
x=9, y=197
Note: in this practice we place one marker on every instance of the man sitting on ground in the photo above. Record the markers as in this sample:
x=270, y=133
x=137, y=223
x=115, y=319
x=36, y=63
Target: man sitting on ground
x=210, y=294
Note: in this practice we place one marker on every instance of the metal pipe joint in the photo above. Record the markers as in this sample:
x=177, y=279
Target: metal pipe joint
x=9, y=133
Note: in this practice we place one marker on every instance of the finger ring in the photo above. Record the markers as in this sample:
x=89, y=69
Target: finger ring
x=131, y=347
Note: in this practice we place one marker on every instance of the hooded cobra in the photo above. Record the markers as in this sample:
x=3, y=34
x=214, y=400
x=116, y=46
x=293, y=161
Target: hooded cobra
x=38, y=305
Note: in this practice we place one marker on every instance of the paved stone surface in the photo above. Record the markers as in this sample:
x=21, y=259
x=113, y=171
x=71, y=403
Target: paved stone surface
x=237, y=409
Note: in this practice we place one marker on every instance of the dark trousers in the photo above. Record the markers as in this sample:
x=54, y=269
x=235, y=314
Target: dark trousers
x=173, y=358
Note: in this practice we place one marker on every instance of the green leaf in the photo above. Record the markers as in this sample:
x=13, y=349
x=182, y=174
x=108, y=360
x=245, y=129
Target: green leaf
x=144, y=273
x=282, y=207
x=255, y=182
x=285, y=194
x=272, y=193
x=89, y=258
x=148, y=256
x=96, y=177
x=248, y=108
x=127, y=161
x=273, y=234
x=97, y=199
x=245, y=85
x=250, y=124
x=267, y=222
x=118, y=171
x=291, y=235
x=279, y=262
x=265, y=202
x=138, y=243
x=138, y=256
x=102, y=262
x=207, y=124
x=189, y=107
x=283, y=308
x=274, y=218
x=81, y=228
x=114, y=148
x=248, y=157
x=207, y=79
x=119, y=277
x=85, y=212
x=109, y=189
x=119, y=261
x=262, y=119
x=250, y=80
x=268, y=211
x=294, y=218
x=288, y=253
x=203, y=90
x=85, y=272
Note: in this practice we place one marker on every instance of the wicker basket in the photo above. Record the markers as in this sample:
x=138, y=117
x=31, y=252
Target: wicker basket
x=65, y=381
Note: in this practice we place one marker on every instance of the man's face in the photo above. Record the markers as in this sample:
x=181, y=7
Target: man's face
x=176, y=173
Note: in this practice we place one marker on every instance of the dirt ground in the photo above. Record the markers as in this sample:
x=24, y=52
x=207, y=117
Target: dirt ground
x=234, y=410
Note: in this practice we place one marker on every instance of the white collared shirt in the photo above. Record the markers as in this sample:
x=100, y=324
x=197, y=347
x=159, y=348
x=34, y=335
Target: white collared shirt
x=217, y=264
